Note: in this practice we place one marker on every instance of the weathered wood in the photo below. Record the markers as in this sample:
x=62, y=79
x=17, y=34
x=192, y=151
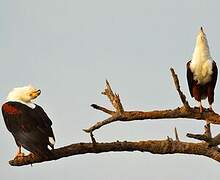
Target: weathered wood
x=176, y=134
x=155, y=147
x=114, y=98
x=177, y=85
x=182, y=112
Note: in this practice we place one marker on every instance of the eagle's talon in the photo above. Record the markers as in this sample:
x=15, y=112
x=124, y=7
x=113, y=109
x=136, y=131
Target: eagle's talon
x=210, y=110
x=19, y=155
x=201, y=109
x=31, y=154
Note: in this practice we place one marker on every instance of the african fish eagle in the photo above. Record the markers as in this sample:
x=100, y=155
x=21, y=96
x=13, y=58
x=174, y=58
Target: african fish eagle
x=202, y=72
x=28, y=123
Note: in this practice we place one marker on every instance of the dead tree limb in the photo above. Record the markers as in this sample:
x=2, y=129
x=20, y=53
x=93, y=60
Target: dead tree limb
x=207, y=136
x=202, y=137
x=181, y=112
x=176, y=134
x=177, y=84
x=155, y=147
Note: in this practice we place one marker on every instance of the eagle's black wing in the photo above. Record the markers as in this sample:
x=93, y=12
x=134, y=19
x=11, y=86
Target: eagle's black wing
x=214, y=74
x=190, y=79
x=44, y=123
x=27, y=127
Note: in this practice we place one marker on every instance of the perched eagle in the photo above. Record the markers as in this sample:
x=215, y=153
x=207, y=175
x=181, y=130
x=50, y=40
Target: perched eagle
x=28, y=123
x=202, y=72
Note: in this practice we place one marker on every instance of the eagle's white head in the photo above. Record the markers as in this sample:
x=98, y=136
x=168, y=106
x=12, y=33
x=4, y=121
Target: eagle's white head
x=24, y=95
x=201, y=51
x=201, y=64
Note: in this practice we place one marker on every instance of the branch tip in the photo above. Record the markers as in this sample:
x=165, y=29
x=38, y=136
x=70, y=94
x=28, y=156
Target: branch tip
x=103, y=109
x=92, y=138
x=86, y=130
x=95, y=106
x=201, y=137
x=177, y=85
x=176, y=134
x=207, y=132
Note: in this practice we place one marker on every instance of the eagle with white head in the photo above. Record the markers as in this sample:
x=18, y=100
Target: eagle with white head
x=28, y=123
x=202, y=72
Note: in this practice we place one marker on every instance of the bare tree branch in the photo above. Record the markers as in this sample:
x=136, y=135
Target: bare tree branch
x=194, y=113
x=92, y=138
x=176, y=134
x=207, y=137
x=155, y=147
x=114, y=98
x=183, y=112
x=201, y=137
x=182, y=96
x=105, y=110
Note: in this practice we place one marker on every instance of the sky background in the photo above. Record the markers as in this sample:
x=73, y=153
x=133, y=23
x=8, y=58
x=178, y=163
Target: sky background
x=68, y=48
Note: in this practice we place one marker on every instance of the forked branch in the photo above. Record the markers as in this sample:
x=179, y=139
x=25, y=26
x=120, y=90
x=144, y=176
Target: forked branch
x=114, y=98
x=207, y=137
x=180, y=112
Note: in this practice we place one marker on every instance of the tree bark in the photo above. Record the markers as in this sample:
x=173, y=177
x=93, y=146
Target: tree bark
x=156, y=147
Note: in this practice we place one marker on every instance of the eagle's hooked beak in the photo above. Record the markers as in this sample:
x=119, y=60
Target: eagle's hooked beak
x=35, y=94
x=201, y=34
x=201, y=28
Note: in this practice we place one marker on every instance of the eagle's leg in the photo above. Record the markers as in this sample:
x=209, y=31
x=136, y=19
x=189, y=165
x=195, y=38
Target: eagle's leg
x=31, y=154
x=19, y=153
x=200, y=107
x=210, y=97
x=210, y=107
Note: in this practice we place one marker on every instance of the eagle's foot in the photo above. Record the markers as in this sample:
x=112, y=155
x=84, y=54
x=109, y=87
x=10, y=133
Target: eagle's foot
x=19, y=155
x=210, y=108
x=201, y=109
x=31, y=154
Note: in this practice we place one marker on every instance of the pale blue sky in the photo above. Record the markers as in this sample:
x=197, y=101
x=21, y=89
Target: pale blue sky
x=68, y=48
